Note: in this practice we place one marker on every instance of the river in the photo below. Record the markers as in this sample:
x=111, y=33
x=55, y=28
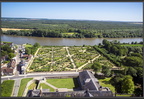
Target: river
x=63, y=41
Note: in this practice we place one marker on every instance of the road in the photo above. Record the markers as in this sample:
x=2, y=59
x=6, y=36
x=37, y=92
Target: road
x=31, y=75
x=17, y=58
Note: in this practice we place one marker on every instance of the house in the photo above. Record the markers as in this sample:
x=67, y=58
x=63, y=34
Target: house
x=6, y=71
x=10, y=68
x=4, y=58
x=21, y=66
x=12, y=64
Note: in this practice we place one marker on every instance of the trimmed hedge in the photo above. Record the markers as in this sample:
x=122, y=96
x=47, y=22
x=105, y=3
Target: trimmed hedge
x=107, y=56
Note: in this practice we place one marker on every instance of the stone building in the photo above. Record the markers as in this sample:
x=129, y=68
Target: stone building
x=90, y=87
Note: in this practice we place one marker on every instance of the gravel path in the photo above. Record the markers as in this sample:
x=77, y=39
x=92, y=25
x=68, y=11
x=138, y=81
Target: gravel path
x=72, y=61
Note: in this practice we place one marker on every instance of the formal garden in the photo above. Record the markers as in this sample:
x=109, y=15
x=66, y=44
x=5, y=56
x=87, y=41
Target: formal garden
x=60, y=58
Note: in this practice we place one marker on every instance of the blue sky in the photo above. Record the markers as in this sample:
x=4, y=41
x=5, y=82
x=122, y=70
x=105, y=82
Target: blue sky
x=106, y=11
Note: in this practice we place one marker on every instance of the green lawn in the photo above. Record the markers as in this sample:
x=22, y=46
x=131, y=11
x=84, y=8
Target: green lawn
x=32, y=86
x=6, y=42
x=23, y=85
x=62, y=83
x=28, y=45
x=69, y=33
x=105, y=83
x=7, y=88
x=44, y=86
x=123, y=95
x=132, y=45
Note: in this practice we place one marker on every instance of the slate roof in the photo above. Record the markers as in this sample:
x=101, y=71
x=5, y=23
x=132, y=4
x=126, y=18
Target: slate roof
x=93, y=83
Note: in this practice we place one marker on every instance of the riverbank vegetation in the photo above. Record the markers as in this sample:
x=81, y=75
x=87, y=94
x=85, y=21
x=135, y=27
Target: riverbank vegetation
x=31, y=49
x=71, y=28
x=7, y=88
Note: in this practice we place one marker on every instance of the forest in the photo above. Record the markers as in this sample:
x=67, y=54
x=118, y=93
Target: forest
x=130, y=78
x=71, y=28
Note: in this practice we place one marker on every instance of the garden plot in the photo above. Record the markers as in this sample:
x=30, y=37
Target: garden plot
x=50, y=59
x=82, y=55
x=103, y=61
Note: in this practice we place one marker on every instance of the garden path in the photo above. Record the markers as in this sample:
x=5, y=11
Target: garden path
x=50, y=85
x=88, y=62
x=16, y=87
x=72, y=61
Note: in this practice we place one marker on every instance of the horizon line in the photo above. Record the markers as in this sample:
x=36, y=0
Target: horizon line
x=73, y=19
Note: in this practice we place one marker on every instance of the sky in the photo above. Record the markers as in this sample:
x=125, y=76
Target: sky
x=103, y=11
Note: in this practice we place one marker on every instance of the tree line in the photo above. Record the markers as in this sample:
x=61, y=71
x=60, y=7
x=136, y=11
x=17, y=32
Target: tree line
x=79, y=29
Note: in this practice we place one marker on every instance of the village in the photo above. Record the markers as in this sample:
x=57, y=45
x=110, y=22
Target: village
x=18, y=64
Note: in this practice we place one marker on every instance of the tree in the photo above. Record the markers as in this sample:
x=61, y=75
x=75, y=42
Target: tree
x=131, y=71
x=96, y=66
x=138, y=92
x=106, y=70
x=36, y=44
x=116, y=81
x=132, y=61
x=11, y=55
x=27, y=50
x=128, y=85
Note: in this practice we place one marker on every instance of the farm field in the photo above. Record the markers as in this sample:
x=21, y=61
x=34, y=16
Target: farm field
x=6, y=29
x=61, y=58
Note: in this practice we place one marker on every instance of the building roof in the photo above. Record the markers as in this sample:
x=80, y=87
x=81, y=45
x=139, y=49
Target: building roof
x=86, y=76
x=6, y=70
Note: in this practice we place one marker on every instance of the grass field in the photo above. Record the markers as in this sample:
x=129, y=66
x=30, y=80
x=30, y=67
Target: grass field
x=6, y=88
x=69, y=33
x=105, y=83
x=28, y=45
x=62, y=83
x=6, y=29
x=44, y=86
x=32, y=86
x=132, y=45
x=123, y=95
x=23, y=85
